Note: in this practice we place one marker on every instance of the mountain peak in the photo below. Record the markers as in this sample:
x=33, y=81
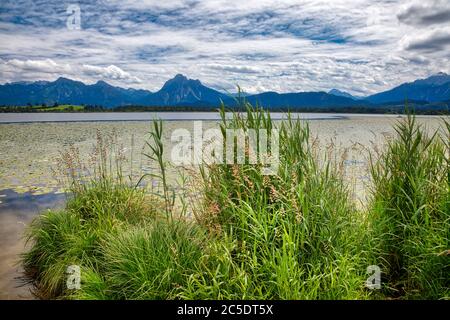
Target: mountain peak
x=437, y=79
x=339, y=93
x=181, y=80
x=102, y=83
x=180, y=77
x=336, y=92
x=62, y=79
x=181, y=89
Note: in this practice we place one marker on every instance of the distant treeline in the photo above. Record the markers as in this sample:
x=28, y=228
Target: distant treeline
x=53, y=108
x=435, y=109
x=400, y=109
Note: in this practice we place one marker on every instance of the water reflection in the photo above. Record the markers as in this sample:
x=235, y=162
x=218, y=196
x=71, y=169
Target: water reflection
x=16, y=211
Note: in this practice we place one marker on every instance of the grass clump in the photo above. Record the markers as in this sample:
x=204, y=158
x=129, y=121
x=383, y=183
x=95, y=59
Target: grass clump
x=75, y=235
x=59, y=240
x=152, y=262
x=126, y=243
x=410, y=212
x=97, y=208
x=292, y=235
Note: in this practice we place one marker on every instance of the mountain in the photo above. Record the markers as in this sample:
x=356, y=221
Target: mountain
x=66, y=91
x=298, y=100
x=111, y=96
x=177, y=91
x=340, y=93
x=181, y=91
x=432, y=89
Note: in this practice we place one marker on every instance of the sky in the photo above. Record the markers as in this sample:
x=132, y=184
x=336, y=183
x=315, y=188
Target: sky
x=359, y=46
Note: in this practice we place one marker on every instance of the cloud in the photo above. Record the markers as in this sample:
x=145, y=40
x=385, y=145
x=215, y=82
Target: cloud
x=46, y=66
x=425, y=13
x=436, y=40
x=291, y=45
x=234, y=69
x=417, y=59
x=110, y=72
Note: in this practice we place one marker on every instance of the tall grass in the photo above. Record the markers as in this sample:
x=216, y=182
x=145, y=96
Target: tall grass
x=410, y=212
x=99, y=203
x=292, y=235
x=152, y=262
x=295, y=234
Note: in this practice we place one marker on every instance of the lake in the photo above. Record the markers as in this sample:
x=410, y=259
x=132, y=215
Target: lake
x=146, y=116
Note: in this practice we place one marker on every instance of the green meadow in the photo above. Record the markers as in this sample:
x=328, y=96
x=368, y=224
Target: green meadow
x=44, y=108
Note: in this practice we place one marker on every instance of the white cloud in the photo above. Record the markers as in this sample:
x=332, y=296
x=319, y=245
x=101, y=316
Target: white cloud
x=360, y=46
x=45, y=66
x=234, y=68
x=48, y=66
x=110, y=72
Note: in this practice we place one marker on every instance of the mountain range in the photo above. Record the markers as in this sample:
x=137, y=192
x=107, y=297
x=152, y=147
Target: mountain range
x=181, y=91
x=432, y=89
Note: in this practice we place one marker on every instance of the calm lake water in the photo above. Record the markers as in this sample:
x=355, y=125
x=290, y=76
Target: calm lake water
x=139, y=116
x=16, y=212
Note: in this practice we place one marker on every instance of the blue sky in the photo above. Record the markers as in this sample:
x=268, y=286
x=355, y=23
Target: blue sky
x=360, y=46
